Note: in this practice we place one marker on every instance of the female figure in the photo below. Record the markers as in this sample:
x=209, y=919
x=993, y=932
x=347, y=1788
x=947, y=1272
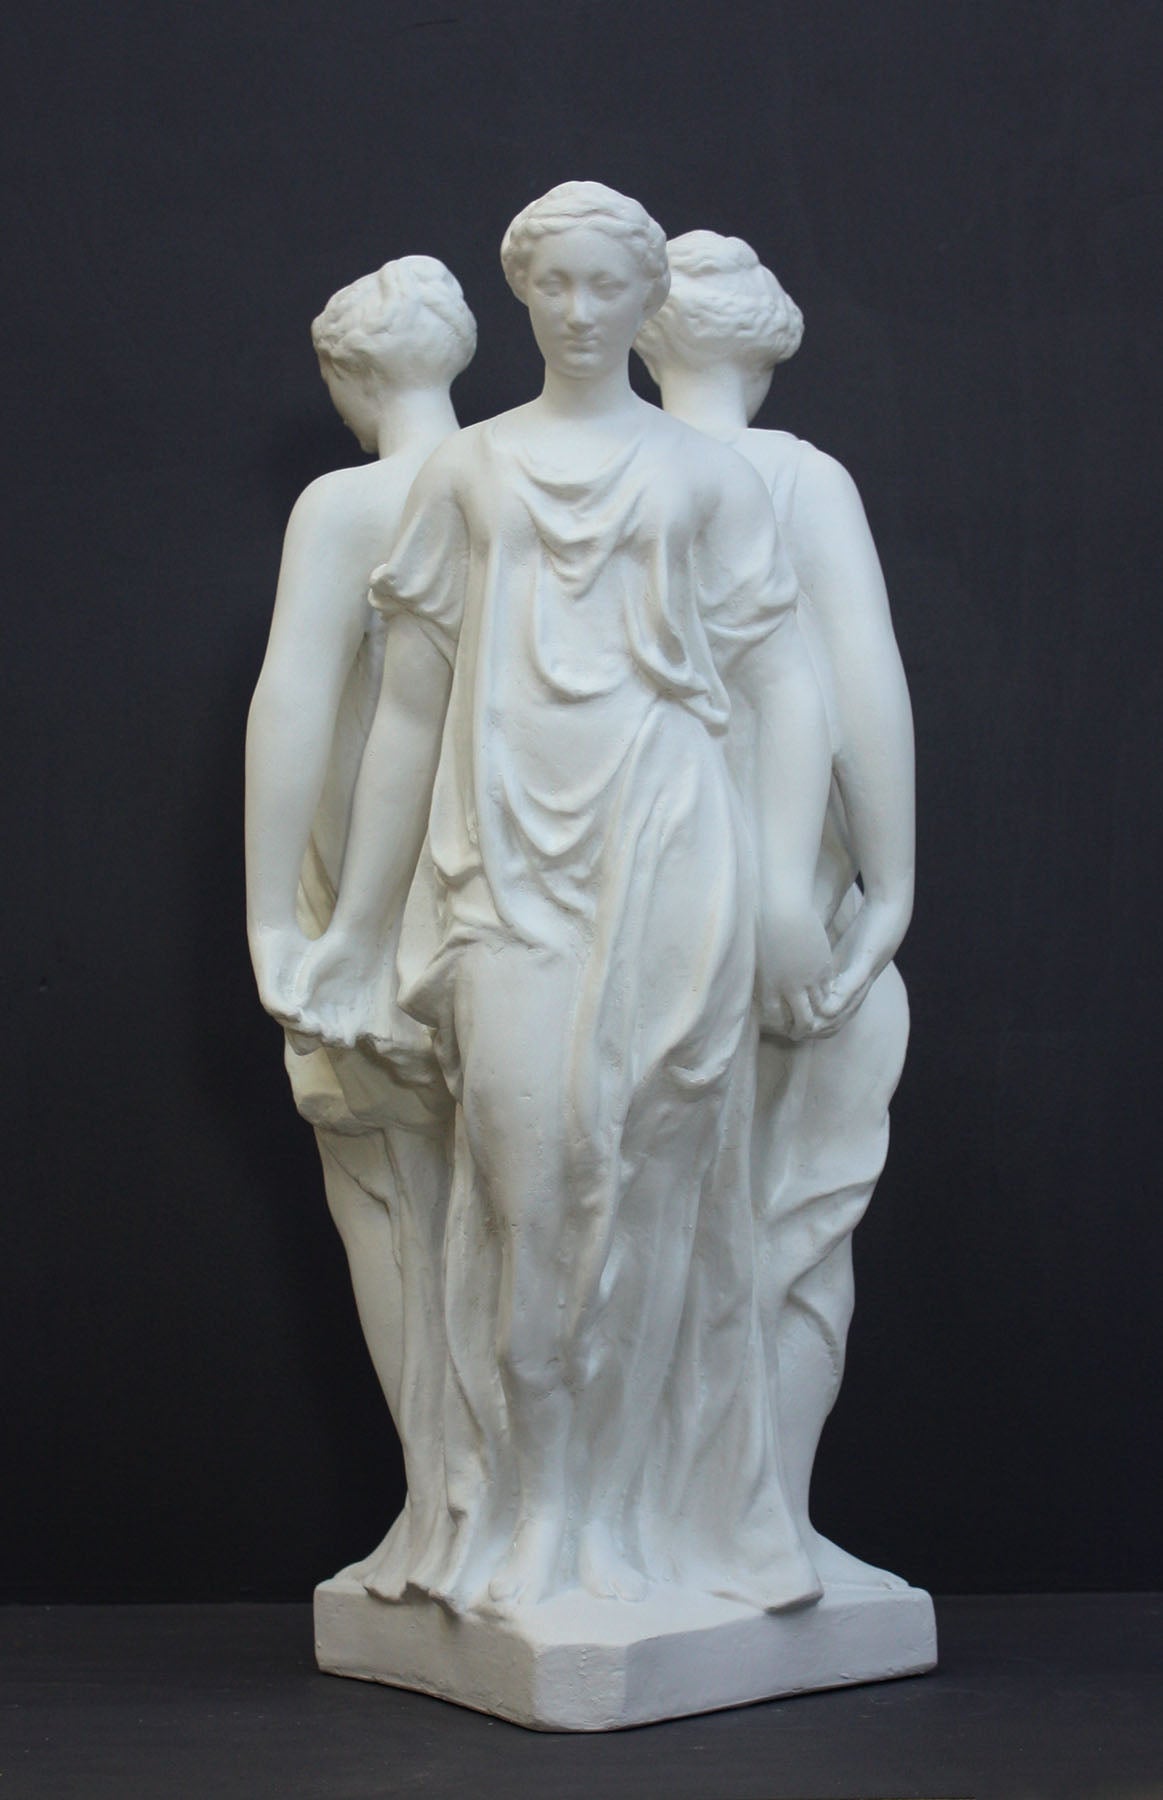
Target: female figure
x=821, y=1127
x=389, y=346
x=581, y=578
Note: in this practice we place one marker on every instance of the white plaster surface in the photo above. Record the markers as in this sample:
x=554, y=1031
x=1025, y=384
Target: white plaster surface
x=575, y=731
x=581, y=1664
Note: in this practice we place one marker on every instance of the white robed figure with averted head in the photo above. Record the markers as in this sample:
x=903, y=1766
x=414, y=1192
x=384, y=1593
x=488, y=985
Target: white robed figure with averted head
x=585, y=937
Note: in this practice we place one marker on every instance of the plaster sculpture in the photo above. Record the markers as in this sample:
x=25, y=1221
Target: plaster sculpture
x=582, y=877
x=389, y=347
x=821, y=1127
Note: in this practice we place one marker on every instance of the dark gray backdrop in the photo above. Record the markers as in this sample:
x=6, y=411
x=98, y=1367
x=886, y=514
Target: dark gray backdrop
x=963, y=200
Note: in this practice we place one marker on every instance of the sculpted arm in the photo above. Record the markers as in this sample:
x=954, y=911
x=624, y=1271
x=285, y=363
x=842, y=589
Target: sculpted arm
x=792, y=775
x=394, y=791
x=841, y=575
x=319, y=620
x=347, y=977
x=346, y=984
x=791, y=788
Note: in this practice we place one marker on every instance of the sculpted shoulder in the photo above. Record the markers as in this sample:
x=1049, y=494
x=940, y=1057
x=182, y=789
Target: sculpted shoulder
x=822, y=481
x=449, y=463
x=733, y=485
x=717, y=474
x=778, y=455
x=353, y=498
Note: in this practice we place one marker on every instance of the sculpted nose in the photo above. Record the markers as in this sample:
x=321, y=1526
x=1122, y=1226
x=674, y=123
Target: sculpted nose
x=580, y=310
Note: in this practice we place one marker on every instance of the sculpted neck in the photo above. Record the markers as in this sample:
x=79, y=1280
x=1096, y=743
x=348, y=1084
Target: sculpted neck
x=590, y=397
x=420, y=418
x=712, y=400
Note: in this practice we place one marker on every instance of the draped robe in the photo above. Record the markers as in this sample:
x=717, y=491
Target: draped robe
x=584, y=822
x=378, y=1138
x=820, y=1135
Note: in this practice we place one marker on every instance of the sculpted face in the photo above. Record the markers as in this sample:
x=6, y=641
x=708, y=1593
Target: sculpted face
x=586, y=295
x=354, y=406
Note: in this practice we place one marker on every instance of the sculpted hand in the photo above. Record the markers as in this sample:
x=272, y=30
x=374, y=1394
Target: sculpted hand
x=348, y=1000
x=335, y=992
x=795, y=973
x=277, y=953
x=863, y=951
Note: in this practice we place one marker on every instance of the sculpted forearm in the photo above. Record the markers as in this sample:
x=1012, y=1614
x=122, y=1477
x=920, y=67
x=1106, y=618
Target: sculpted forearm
x=319, y=621
x=872, y=718
x=793, y=768
x=394, y=791
x=287, y=745
x=874, y=768
x=842, y=579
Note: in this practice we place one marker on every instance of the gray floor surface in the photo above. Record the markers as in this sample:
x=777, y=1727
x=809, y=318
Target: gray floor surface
x=1037, y=1698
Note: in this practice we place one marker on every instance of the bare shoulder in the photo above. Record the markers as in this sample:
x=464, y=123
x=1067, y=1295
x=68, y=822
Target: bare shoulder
x=456, y=450
x=343, y=496
x=822, y=481
x=776, y=454
x=345, y=522
x=734, y=487
x=717, y=476
x=444, y=470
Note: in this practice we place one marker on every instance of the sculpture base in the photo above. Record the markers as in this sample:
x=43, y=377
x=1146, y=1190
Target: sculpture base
x=579, y=1664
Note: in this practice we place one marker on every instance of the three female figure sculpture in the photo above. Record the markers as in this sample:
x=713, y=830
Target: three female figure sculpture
x=582, y=987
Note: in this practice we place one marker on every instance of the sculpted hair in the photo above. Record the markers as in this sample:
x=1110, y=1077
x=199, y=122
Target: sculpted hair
x=407, y=323
x=587, y=203
x=723, y=305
